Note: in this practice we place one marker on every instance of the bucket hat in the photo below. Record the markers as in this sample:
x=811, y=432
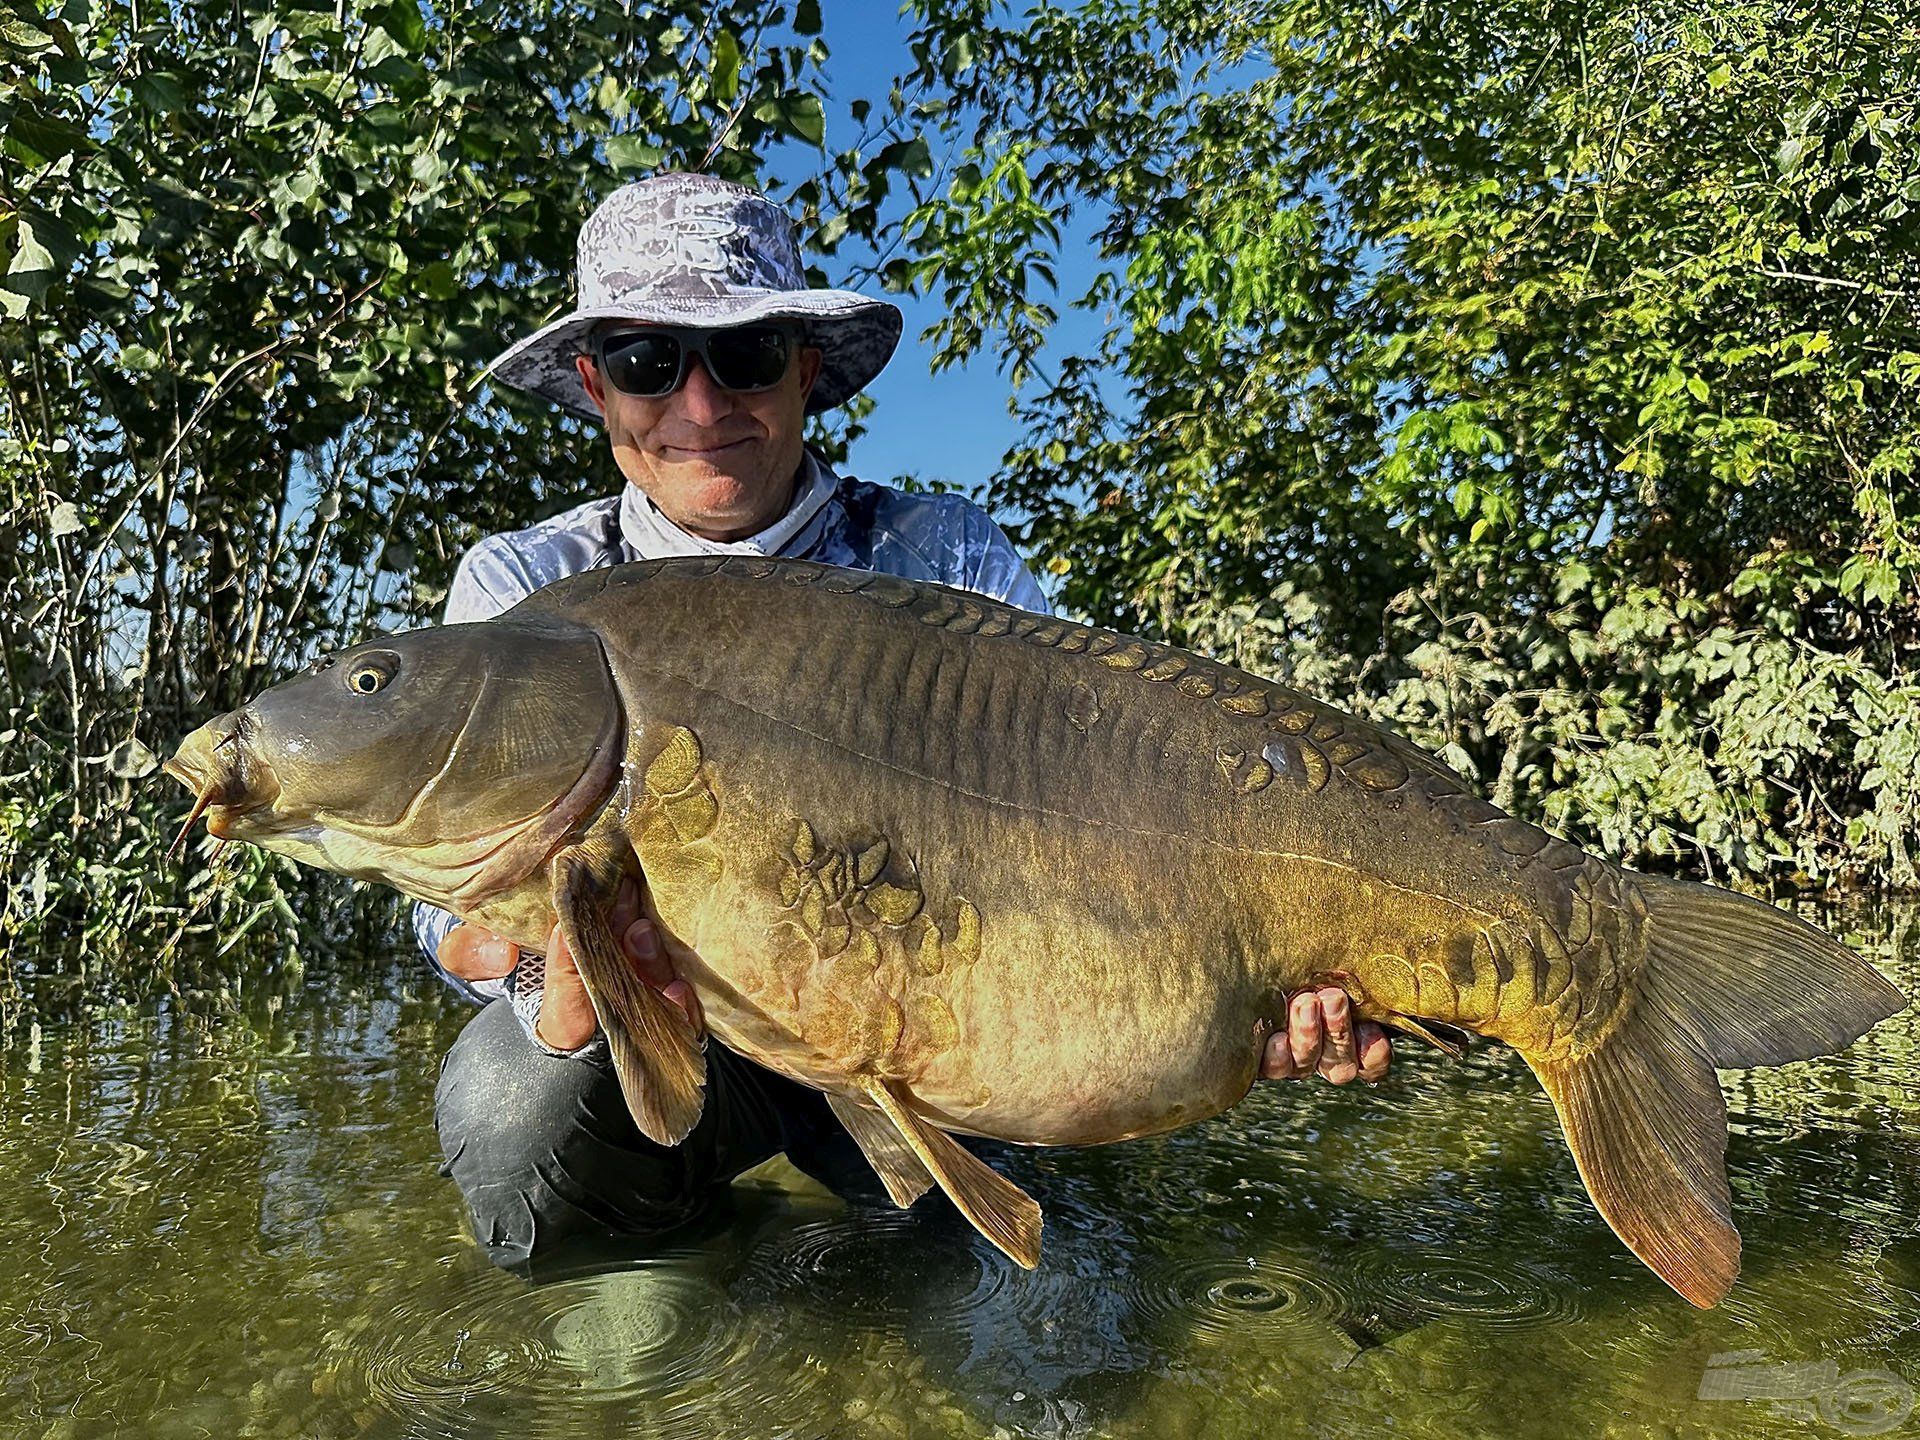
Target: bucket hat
x=693, y=250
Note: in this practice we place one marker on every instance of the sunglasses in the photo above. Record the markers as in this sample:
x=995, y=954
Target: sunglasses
x=652, y=363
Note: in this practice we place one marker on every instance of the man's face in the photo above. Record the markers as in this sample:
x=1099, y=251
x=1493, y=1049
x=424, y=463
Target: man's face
x=719, y=463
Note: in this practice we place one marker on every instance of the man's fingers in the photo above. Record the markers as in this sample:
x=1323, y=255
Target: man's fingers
x=1323, y=1035
x=566, y=1019
x=640, y=942
x=1276, y=1059
x=1303, y=1032
x=1337, y=1059
x=681, y=994
x=1375, y=1051
x=626, y=904
x=470, y=953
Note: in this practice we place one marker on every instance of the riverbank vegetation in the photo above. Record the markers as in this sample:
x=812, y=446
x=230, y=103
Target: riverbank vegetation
x=1539, y=380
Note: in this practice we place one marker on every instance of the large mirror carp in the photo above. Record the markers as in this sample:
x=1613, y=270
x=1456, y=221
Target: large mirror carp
x=972, y=870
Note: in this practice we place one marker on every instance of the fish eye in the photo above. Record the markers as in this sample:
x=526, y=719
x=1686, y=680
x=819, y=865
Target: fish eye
x=371, y=675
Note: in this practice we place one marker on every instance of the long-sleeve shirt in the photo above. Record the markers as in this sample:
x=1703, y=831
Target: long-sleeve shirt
x=841, y=521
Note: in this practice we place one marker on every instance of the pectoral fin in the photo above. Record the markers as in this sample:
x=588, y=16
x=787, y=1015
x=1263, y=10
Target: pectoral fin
x=656, y=1054
x=891, y=1157
x=998, y=1208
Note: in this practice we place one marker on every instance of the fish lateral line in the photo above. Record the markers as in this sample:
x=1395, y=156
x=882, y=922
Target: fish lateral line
x=1138, y=831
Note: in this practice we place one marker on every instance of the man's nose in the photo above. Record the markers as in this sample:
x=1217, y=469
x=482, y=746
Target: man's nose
x=702, y=400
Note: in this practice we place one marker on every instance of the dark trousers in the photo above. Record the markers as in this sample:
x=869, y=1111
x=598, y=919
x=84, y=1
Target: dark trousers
x=546, y=1153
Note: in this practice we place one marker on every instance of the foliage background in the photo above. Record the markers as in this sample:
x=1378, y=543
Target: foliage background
x=1539, y=380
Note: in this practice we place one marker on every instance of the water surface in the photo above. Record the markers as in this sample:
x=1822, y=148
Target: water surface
x=225, y=1219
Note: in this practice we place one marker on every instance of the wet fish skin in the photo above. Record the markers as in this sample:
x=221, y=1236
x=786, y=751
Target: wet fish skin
x=973, y=870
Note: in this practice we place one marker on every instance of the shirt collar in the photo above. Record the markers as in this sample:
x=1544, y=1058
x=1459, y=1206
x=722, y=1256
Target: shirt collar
x=654, y=537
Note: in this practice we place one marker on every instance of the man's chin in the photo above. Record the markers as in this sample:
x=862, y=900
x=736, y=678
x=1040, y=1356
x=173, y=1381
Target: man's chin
x=714, y=502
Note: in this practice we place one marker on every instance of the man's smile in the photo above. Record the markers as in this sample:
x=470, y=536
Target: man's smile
x=704, y=451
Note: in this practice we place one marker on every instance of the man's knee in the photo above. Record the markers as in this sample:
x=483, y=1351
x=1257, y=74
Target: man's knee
x=544, y=1150
x=502, y=1094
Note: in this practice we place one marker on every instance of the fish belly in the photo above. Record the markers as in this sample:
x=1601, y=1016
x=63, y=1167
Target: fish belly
x=984, y=961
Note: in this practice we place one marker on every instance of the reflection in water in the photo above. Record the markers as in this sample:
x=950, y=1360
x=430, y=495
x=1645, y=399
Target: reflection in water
x=234, y=1225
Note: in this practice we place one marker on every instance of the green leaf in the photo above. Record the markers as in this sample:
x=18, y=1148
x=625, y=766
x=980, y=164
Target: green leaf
x=1792, y=153
x=40, y=140
x=803, y=116
x=403, y=20
x=438, y=281
x=633, y=152
x=31, y=271
x=160, y=92
x=726, y=67
x=806, y=17
x=131, y=760
x=19, y=33
x=428, y=169
x=379, y=45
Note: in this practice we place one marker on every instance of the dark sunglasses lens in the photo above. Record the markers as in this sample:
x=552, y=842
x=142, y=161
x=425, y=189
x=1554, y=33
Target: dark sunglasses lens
x=642, y=364
x=753, y=357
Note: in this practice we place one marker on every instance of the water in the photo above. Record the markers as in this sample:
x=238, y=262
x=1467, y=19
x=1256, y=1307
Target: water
x=227, y=1221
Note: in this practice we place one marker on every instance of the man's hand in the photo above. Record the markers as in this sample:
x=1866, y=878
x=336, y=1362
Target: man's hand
x=1321, y=1035
x=566, y=1019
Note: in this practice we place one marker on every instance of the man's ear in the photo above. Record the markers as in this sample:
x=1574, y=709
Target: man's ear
x=590, y=377
x=809, y=370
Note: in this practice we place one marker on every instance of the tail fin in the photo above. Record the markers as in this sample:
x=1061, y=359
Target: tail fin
x=1754, y=985
x=1725, y=981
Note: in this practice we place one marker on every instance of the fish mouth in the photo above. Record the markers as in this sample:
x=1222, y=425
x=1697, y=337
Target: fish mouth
x=227, y=777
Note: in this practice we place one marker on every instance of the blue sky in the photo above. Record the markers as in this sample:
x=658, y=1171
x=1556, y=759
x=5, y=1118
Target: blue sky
x=953, y=426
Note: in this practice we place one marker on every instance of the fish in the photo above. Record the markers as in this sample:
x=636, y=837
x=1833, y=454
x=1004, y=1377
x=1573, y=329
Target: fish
x=974, y=871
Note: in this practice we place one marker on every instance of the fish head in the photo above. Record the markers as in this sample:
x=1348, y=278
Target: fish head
x=449, y=762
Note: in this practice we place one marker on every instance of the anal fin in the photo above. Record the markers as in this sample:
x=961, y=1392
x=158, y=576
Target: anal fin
x=998, y=1208
x=893, y=1160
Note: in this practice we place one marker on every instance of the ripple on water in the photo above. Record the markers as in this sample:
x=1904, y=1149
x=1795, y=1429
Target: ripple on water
x=1224, y=1298
x=1431, y=1285
x=661, y=1332
x=876, y=1269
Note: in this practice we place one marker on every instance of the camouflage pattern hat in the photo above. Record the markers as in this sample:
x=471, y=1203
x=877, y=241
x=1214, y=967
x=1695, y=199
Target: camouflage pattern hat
x=692, y=250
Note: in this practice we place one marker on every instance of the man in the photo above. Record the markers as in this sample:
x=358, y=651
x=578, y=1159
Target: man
x=699, y=345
